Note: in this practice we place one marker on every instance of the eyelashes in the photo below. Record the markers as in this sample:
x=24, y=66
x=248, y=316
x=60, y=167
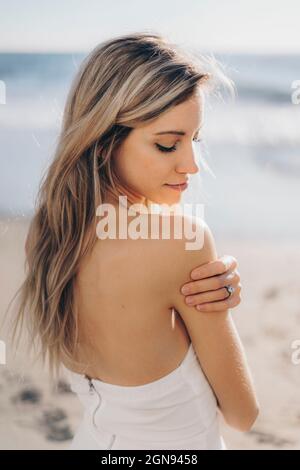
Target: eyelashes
x=173, y=148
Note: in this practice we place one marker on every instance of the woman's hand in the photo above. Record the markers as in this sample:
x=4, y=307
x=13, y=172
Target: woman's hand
x=207, y=289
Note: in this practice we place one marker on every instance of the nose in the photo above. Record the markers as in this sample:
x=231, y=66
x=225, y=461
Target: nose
x=186, y=162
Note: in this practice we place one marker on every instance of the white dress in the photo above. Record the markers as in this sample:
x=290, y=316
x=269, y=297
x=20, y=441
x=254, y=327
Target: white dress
x=177, y=411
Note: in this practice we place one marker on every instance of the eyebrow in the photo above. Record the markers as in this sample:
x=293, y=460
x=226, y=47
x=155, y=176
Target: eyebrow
x=175, y=132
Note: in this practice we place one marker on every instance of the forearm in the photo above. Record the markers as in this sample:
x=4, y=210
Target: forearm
x=224, y=362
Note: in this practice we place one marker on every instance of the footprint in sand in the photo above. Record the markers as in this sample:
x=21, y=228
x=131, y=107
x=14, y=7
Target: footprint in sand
x=54, y=424
x=51, y=421
x=28, y=395
x=62, y=387
x=271, y=293
x=269, y=438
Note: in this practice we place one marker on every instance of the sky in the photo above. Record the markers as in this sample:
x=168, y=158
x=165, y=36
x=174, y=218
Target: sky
x=211, y=25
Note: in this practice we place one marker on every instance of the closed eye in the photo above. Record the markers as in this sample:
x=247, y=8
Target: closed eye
x=173, y=148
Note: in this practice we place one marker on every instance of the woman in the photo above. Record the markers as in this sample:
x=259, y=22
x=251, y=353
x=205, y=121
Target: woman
x=150, y=370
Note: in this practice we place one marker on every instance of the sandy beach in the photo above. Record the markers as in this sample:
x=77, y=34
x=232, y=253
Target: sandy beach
x=34, y=415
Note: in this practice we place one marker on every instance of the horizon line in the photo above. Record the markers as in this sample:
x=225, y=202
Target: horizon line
x=203, y=51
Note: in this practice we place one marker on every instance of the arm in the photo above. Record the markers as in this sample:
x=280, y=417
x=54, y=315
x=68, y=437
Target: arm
x=216, y=342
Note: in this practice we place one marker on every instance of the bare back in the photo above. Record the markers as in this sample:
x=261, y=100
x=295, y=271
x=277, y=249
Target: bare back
x=125, y=328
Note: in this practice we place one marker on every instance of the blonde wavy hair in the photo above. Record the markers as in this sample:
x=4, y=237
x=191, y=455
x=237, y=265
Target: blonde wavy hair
x=122, y=82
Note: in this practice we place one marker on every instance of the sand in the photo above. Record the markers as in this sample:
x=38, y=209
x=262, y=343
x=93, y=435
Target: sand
x=33, y=415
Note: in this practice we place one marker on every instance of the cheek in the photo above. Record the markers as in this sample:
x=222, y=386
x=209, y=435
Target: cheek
x=143, y=168
x=133, y=169
x=157, y=165
x=156, y=171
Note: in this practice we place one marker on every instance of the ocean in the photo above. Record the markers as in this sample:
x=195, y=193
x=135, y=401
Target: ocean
x=249, y=159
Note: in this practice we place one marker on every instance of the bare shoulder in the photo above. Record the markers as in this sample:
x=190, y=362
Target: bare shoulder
x=163, y=258
x=190, y=244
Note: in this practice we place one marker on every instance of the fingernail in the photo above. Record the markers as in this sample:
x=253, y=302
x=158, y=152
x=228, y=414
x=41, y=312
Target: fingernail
x=227, y=262
x=189, y=300
x=185, y=290
x=200, y=307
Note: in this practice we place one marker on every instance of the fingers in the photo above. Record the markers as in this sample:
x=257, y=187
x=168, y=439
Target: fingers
x=213, y=283
x=226, y=304
x=220, y=294
x=213, y=268
x=207, y=292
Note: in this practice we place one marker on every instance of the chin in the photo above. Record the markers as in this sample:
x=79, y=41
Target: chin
x=168, y=199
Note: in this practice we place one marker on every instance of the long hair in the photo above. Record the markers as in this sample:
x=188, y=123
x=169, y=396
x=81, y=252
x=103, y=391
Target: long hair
x=122, y=82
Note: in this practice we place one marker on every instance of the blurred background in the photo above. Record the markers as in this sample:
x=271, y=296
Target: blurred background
x=250, y=170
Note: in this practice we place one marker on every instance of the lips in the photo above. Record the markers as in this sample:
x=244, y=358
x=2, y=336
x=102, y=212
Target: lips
x=178, y=187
